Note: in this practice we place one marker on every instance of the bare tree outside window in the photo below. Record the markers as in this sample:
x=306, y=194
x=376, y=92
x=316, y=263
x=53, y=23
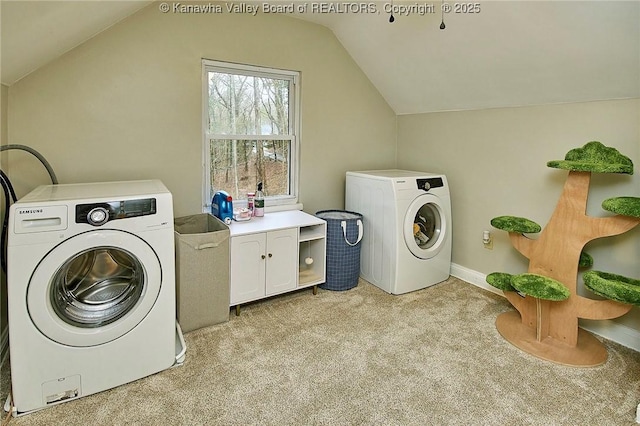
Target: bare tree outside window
x=249, y=132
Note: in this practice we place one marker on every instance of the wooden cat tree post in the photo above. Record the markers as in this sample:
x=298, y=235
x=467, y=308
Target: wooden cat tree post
x=548, y=306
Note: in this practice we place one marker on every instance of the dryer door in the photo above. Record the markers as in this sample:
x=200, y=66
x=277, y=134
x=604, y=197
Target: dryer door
x=94, y=287
x=425, y=226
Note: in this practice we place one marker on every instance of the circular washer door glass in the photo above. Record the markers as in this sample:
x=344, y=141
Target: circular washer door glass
x=425, y=227
x=94, y=288
x=97, y=287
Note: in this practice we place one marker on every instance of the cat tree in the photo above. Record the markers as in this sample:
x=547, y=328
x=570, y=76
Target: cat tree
x=545, y=298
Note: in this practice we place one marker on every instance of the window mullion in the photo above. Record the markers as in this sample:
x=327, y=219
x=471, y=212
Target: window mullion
x=215, y=136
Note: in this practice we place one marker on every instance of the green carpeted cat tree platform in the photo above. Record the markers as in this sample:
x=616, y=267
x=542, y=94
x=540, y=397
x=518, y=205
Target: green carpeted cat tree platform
x=548, y=306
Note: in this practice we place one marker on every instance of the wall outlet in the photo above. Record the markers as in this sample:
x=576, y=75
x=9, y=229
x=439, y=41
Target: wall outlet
x=487, y=240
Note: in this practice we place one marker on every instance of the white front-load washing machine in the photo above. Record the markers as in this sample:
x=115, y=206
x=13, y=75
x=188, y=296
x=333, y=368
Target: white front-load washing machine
x=406, y=244
x=91, y=289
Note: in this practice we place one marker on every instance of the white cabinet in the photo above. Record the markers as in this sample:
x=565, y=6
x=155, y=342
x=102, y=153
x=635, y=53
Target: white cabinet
x=263, y=264
x=268, y=255
x=282, y=262
x=247, y=268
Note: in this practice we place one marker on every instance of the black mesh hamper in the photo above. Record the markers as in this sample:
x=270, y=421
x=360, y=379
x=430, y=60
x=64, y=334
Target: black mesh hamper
x=344, y=233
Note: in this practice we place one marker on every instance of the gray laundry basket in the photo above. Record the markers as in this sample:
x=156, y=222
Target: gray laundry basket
x=344, y=233
x=202, y=271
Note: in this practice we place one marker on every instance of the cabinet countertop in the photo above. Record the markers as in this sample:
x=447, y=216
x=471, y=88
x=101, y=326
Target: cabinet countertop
x=274, y=221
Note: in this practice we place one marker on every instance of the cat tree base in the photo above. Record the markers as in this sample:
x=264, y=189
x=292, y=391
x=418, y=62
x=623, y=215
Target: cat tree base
x=589, y=352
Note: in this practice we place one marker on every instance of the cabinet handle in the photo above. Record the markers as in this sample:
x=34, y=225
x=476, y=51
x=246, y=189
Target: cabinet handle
x=270, y=255
x=263, y=256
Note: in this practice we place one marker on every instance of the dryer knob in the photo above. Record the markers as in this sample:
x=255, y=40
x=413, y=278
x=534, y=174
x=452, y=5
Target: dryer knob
x=427, y=186
x=98, y=216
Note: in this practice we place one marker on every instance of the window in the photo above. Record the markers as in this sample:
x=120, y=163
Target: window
x=251, y=124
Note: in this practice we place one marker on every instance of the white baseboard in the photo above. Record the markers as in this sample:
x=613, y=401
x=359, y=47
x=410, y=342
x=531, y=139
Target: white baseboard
x=611, y=330
x=473, y=277
x=608, y=329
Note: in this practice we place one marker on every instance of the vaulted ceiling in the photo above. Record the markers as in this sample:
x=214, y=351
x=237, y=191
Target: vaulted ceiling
x=34, y=33
x=505, y=54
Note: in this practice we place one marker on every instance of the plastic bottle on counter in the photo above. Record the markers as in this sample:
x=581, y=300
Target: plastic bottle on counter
x=251, y=201
x=259, y=202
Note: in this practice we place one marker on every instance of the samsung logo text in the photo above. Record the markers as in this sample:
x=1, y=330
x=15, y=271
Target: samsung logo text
x=30, y=211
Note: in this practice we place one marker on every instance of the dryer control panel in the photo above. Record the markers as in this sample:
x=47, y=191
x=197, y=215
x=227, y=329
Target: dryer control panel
x=428, y=183
x=98, y=214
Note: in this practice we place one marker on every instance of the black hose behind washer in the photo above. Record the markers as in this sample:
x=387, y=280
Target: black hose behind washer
x=10, y=196
x=30, y=150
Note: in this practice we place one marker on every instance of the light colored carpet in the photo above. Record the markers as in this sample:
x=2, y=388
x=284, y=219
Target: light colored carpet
x=363, y=357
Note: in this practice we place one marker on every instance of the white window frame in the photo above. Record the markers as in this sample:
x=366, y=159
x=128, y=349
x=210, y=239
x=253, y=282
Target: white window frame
x=281, y=202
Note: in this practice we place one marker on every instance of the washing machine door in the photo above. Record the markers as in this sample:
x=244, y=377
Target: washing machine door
x=425, y=226
x=94, y=287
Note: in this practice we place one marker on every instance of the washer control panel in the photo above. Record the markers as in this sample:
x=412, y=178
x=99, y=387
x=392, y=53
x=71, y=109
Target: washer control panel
x=428, y=183
x=97, y=214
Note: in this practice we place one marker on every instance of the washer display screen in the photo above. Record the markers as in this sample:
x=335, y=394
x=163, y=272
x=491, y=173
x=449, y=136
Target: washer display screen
x=97, y=287
x=116, y=210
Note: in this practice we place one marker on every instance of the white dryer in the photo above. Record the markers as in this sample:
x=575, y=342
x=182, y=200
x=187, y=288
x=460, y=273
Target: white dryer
x=407, y=227
x=91, y=288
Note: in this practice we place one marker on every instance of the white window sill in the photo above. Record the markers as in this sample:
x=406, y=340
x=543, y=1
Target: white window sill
x=268, y=209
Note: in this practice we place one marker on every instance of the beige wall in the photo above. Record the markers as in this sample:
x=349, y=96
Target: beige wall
x=127, y=104
x=495, y=161
x=4, y=96
x=4, y=93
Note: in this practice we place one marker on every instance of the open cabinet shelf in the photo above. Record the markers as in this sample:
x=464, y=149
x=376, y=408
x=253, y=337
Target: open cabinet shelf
x=313, y=232
x=312, y=242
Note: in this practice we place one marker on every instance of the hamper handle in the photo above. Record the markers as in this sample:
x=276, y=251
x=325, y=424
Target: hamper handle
x=206, y=246
x=344, y=231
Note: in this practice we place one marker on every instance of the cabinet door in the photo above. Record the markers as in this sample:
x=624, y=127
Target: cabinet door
x=247, y=268
x=282, y=260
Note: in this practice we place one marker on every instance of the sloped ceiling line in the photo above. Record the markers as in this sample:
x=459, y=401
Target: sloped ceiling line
x=505, y=54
